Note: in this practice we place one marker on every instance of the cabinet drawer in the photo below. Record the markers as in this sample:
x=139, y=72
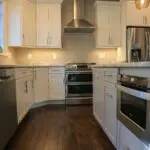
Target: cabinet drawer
x=110, y=76
x=22, y=72
x=56, y=70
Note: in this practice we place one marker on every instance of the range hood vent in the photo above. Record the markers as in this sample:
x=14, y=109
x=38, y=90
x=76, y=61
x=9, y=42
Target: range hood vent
x=78, y=24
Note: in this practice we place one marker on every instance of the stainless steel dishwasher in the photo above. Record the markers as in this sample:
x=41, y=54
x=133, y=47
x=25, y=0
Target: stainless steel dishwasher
x=8, y=110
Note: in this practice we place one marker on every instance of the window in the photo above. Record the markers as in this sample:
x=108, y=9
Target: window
x=1, y=26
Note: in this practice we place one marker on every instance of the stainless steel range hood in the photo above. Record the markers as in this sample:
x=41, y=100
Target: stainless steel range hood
x=79, y=24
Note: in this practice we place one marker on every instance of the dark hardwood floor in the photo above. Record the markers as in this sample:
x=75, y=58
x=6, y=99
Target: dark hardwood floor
x=54, y=128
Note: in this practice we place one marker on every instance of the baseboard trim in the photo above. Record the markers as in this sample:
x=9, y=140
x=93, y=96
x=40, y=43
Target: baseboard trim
x=48, y=102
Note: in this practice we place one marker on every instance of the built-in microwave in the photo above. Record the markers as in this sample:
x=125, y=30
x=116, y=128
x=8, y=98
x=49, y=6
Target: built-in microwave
x=138, y=44
x=134, y=105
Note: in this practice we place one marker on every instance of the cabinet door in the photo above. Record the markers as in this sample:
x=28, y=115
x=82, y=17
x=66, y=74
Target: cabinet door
x=21, y=23
x=56, y=87
x=98, y=94
x=28, y=23
x=115, y=28
x=14, y=23
x=42, y=24
x=41, y=84
x=102, y=37
x=103, y=16
x=54, y=33
x=107, y=20
x=21, y=96
x=110, y=111
x=115, y=36
x=115, y=15
x=128, y=141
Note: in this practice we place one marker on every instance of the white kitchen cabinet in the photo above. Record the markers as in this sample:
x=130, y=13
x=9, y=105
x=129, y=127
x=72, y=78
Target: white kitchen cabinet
x=105, y=100
x=56, y=87
x=21, y=96
x=98, y=95
x=24, y=91
x=41, y=84
x=49, y=25
x=21, y=23
x=110, y=96
x=127, y=140
x=137, y=17
x=108, y=22
x=56, y=83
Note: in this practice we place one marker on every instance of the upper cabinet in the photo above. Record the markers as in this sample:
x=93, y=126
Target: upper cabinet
x=49, y=25
x=137, y=17
x=108, y=22
x=21, y=23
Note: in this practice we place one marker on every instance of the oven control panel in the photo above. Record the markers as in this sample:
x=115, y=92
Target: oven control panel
x=134, y=82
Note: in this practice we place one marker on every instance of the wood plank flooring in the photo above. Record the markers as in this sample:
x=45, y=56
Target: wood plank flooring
x=57, y=128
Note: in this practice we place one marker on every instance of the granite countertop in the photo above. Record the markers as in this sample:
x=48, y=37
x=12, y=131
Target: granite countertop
x=124, y=65
x=29, y=66
x=111, y=65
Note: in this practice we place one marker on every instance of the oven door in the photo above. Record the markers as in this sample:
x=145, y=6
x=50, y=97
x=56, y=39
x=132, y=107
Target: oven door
x=79, y=90
x=79, y=77
x=133, y=111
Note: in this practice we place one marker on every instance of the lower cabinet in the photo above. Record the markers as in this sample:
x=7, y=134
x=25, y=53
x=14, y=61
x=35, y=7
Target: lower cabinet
x=41, y=84
x=98, y=94
x=128, y=141
x=105, y=101
x=24, y=96
x=56, y=86
x=110, y=96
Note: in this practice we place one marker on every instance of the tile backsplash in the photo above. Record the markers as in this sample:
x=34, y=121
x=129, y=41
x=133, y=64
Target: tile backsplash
x=76, y=48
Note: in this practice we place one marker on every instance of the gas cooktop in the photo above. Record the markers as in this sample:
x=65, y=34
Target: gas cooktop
x=79, y=66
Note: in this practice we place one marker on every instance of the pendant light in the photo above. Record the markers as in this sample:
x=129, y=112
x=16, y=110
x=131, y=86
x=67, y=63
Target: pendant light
x=142, y=3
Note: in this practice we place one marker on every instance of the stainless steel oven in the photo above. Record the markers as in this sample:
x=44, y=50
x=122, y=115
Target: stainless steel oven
x=79, y=86
x=134, y=105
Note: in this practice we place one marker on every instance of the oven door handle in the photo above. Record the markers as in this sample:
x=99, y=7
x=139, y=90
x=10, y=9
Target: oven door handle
x=136, y=93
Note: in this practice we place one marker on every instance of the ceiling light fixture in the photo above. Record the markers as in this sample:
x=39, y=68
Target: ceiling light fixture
x=142, y=3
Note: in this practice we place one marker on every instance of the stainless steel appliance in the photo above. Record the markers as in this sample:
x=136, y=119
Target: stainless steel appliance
x=8, y=110
x=79, y=86
x=79, y=24
x=138, y=44
x=134, y=105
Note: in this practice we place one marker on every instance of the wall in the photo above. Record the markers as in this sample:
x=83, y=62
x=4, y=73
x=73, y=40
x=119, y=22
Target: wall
x=8, y=55
x=76, y=47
